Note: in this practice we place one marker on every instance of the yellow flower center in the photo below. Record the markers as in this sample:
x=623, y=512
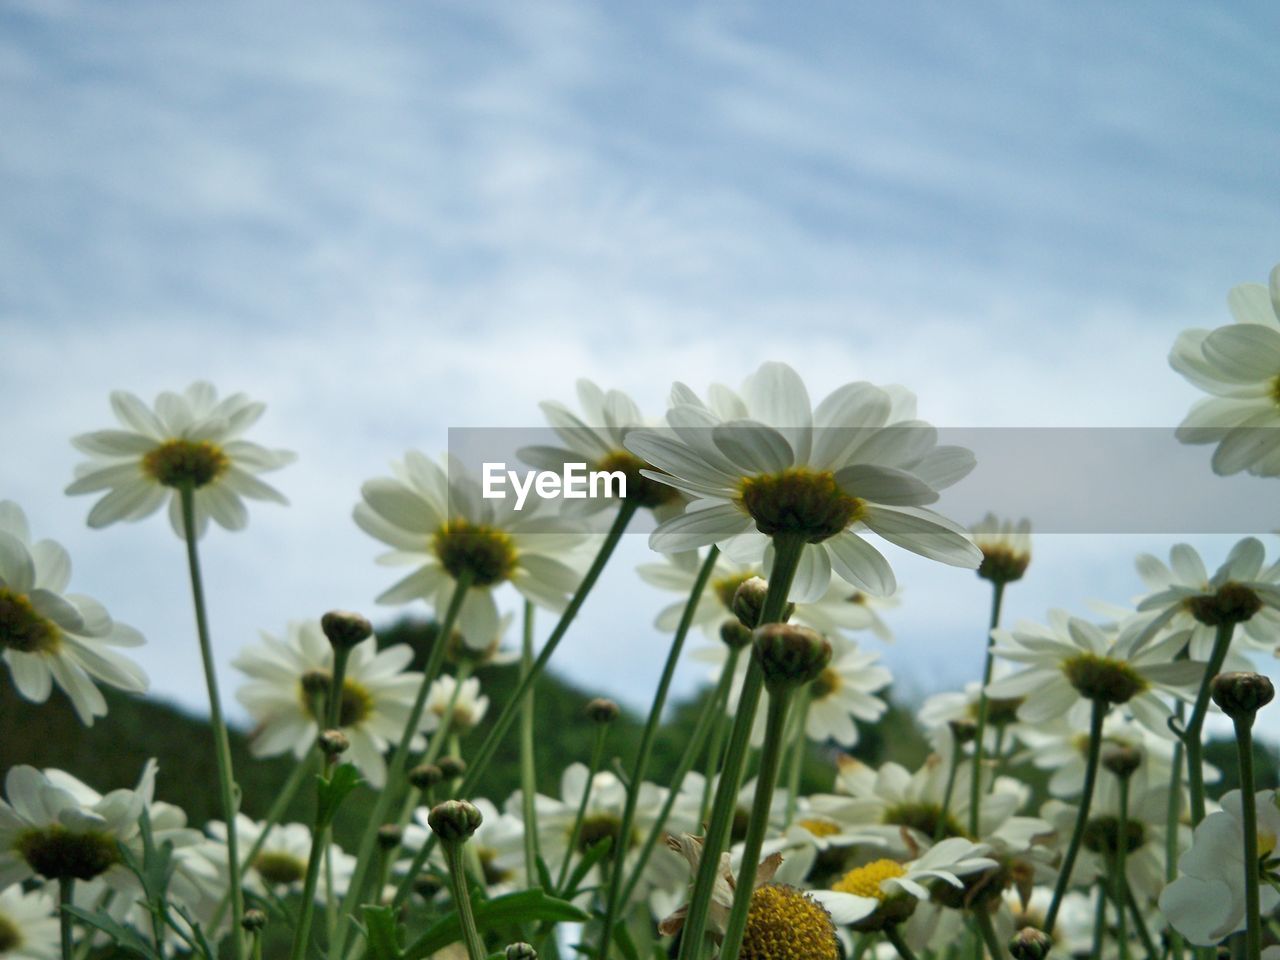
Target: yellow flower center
x=180, y=462
x=488, y=555
x=1102, y=678
x=827, y=683
x=1230, y=603
x=640, y=489
x=865, y=881
x=819, y=827
x=493, y=874
x=279, y=869
x=800, y=502
x=356, y=705
x=23, y=629
x=57, y=853
x=924, y=817
x=784, y=923
x=10, y=936
x=726, y=587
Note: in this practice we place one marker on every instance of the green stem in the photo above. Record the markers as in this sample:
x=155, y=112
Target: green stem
x=1082, y=817
x=334, y=702
x=462, y=901
x=396, y=768
x=983, y=919
x=1249, y=816
x=227, y=788
x=66, y=887
x=787, y=552
x=597, y=752
x=770, y=762
x=315, y=863
x=444, y=730
x=940, y=830
x=1099, y=920
x=1140, y=924
x=1121, y=878
x=528, y=771
x=716, y=750
x=1195, y=726
x=797, y=740
x=975, y=785
x=645, y=750
x=1173, y=821
x=709, y=716
x=894, y=937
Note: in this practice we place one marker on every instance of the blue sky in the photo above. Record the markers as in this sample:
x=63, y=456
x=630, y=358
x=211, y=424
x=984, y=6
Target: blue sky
x=386, y=220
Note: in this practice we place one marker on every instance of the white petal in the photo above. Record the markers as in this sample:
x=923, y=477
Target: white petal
x=924, y=532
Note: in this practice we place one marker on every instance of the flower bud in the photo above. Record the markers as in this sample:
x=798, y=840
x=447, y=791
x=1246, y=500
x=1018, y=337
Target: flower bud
x=451, y=767
x=790, y=656
x=735, y=635
x=1122, y=760
x=748, y=601
x=389, y=836
x=1241, y=695
x=963, y=730
x=254, y=920
x=602, y=711
x=345, y=629
x=425, y=776
x=454, y=821
x=521, y=951
x=333, y=743
x=1030, y=944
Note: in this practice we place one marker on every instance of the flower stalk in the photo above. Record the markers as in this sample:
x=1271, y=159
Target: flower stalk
x=979, y=739
x=1191, y=736
x=528, y=772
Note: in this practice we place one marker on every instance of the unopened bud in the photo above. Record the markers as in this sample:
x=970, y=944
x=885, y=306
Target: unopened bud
x=389, y=836
x=428, y=885
x=1241, y=695
x=735, y=635
x=454, y=820
x=602, y=711
x=333, y=743
x=748, y=601
x=452, y=767
x=963, y=730
x=521, y=951
x=1122, y=760
x=425, y=776
x=1030, y=944
x=790, y=656
x=345, y=629
x=254, y=920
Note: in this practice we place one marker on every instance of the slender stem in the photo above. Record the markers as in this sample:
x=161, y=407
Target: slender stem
x=1082, y=817
x=396, y=768
x=462, y=901
x=1173, y=822
x=758, y=825
x=940, y=830
x=1140, y=924
x=1121, y=878
x=983, y=920
x=315, y=863
x=227, y=788
x=709, y=716
x=444, y=731
x=716, y=750
x=645, y=750
x=1099, y=920
x=333, y=712
x=1249, y=815
x=797, y=741
x=975, y=785
x=894, y=937
x=597, y=751
x=787, y=553
x=1191, y=736
x=528, y=772
x=66, y=888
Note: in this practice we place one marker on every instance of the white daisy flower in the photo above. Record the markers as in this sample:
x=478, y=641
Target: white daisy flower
x=55, y=827
x=1239, y=365
x=597, y=439
x=778, y=467
x=29, y=927
x=1206, y=903
x=885, y=892
x=289, y=677
x=1184, y=597
x=191, y=438
x=280, y=866
x=1072, y=659
x=435, y=519
x=498, y=844
x=48, y=636
x=1005, y=546
x=469, y=706
x=941, y=709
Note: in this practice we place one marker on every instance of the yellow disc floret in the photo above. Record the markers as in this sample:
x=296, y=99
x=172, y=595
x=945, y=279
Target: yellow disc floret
x=800, y=502
x=784, y=923
x=357, y=701
x=865, y=881
x=181, y=462
x=22, y=628
x=820, y=828
x=484, y=553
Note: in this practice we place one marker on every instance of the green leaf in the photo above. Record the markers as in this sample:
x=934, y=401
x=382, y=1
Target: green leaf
x=622, y=937
x=598, y=851
x=382, y=932
x=124, y=938
x=333, y=791
x=521, y=907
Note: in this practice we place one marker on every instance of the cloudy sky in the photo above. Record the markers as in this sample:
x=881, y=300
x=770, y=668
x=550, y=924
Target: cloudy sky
x=387, y=220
